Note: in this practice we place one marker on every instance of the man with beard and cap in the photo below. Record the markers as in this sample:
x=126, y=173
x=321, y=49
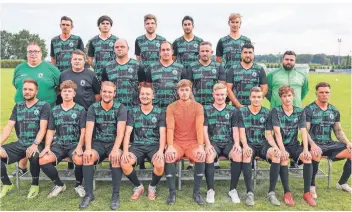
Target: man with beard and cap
x=287, y=75
x=242, y=77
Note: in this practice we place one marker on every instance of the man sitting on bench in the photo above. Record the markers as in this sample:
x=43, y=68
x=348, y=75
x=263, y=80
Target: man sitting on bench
x=252, y=125
x=219, y=137
x=68, y=123
x=323, y=118
x=147, y=122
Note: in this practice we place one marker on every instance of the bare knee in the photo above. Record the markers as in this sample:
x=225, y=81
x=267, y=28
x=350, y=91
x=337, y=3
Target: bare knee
x=235, y=157
x=273, y=158
x=158, y=168
x=3, y=153
x=209, y=158
x=78, y=160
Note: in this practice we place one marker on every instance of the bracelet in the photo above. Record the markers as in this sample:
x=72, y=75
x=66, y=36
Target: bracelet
x=36, y=143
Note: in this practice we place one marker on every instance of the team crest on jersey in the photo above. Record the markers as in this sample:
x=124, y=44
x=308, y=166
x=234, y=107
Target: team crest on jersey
x=74, y=116
x=83, y=82
x=331, y=116
x=130, y=70
x=40, y=75
x=154, y=120
x=71, y=44
x=195, y=45
x=254, y=74
x=262, y=120
x=111, y=44
x=295, y=120
x=157, y=45
x=36, y=112
x=242, y=44
x=213, y=71
x=227, y=116
x=174, y=72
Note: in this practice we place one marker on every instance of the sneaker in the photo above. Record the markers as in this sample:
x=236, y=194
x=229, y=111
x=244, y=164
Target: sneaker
x=309, y=199
x=250, y=199
x=216, y=165
x=33, y=192
x=137, y=192
x=234, y=196
x=344, y=187
x=210, y=196
x=198, y=198
x=190, y=166
x=56, y=191
x=151, y=192
x=80, y=191
x=115, y=201
x=5, y=189
x=86, y=201
x=288, y=199
x=313, y=192
x=21, y=172
x=272, y=199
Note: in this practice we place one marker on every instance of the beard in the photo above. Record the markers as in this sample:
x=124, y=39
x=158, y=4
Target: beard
x=247, y=60
x=287, y=67
x=29, y=98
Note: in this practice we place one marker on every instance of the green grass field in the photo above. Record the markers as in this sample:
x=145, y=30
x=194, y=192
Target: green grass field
x=328, y=199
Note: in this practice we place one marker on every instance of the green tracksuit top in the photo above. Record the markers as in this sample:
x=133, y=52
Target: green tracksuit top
x=294, y=78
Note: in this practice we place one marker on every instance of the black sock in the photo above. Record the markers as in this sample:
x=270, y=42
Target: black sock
x=198, y=176
x=170, y=172
x=70, y=165
x=52, y=173
x=116, y=179
x=4, y=177
x=88, y=175
x=209, y=175
x=315, y=165
x=133, y=178
x=274, y=175
x=155, y=179
x=307, y=176
x=24, y=170
x=284, y=178
x=34, y=168
x=346, y=172
x=236, y=168
x=247, y=175
x=78, y=175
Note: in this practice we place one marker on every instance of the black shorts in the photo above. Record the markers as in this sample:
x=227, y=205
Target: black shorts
x=103, y=149
x=294, y=149
x=15, y=151
x=332, y=149
x=62, y=151
x=222, y=149
x=259, y=150
x=143, y=151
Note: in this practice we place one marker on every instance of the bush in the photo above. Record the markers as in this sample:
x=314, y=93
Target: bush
x=10, y=63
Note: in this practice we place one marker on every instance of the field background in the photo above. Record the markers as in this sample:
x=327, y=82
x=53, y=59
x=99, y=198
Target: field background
x=328, y=199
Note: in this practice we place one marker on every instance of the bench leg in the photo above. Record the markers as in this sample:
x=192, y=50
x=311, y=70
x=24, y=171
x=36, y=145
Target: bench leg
x=329, y=173
x=179, y=166
x=17, y=175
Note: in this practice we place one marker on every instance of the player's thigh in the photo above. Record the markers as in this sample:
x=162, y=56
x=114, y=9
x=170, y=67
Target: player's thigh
x=180, y=152
x=191, y=153
x=13, y=152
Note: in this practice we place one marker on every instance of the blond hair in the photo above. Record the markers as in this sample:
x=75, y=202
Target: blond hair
x=68, y=84
x=219, y=86
x=151, y=17
x=108, y=83
x=233, y=16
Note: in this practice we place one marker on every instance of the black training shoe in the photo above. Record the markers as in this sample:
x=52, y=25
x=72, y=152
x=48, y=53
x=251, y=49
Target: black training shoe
x=198, y=198
x=171, y=199
x=115, y=201
x=86, y=200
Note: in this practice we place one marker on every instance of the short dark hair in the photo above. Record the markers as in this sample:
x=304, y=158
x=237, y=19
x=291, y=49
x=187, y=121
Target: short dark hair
x=144, y=86
x=78, y=52
x=165, y=41
x=66, y=18
x=289, y=52
x=322, y=85
x=285, y=90
x=247, y=46
x=255, y=89
x=30, y=80
x=187, y=18
x=104, y=18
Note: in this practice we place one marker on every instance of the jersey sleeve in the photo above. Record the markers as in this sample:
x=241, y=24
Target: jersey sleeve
x=305, y=88
x=82, y=119
x=302, y=120
x=80, y=44
x=148, y=75
x=222, y=73
x=137, y=50
x=219, y=49
x=104, y=75
x=308, y=113
x=205, y=118
x=122, y=114
x=96, y=84
x=130, y=120
x=91, y=49
x=45, y=113
x=13, y=116
x=174, y=46
x=269, y=123
x=51, y=122
x=52, y=54
x=262, y=77
x=275, y=122
x=270, y=86
x=162, y=120
x=91, y=114
x=229, y=76
x=56, y=74
x=187, y=73
x=337, y=119
x=240, y=122
x=141, y=73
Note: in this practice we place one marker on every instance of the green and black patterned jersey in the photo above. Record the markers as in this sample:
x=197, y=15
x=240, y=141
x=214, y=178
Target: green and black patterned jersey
x=164, y=81
x=126, y=77
x=28, y=120
x=220, y=123
x=244, y=80
x=321, y=122
x=146, y=127
x=229, y=49
x=254, y=124
x=204, y=78
x=289, y=125
x=186, y=52
x=67, y=124
x=102, y=51
x=105, y=122
x=148, y=50
x=61, y=50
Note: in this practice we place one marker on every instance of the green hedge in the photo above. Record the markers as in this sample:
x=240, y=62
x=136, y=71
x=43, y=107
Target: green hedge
x=10, y=63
